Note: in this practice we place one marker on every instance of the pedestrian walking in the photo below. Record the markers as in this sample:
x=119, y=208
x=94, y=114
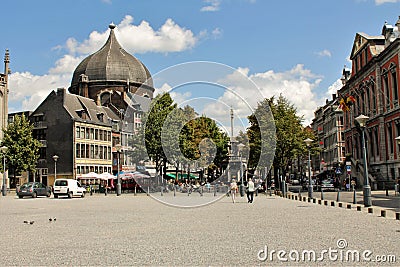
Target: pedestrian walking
x=234, y=189
x=250, y=191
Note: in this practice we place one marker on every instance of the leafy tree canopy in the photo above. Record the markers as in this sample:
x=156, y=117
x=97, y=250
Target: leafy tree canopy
x=22, y=153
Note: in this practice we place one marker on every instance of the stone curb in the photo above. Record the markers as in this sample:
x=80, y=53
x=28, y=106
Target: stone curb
x=332, y=203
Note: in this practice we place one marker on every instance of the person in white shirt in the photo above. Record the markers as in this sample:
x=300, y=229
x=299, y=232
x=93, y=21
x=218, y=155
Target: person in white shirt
x=250, y=191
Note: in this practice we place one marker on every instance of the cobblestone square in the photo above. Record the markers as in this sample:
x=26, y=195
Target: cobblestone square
x=138, y=230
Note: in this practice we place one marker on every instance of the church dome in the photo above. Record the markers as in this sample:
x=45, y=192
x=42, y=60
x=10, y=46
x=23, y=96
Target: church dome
x=112, y=64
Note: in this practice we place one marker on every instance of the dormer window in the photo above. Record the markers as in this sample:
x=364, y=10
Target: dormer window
x=100, y=116
x=82, y=114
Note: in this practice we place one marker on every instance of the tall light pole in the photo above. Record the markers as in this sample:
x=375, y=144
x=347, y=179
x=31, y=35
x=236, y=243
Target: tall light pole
x=308, y=142
x=4, y=187
x=55, y=158
x=118, y=149
x=241, y=187
x=362, y=119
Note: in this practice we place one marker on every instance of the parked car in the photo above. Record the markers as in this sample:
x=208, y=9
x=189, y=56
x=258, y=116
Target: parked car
x=33, y=189
x=68, y=187
x=327, y=185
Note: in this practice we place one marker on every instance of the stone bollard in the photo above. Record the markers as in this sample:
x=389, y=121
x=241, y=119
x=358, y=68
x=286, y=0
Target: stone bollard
x=397, y=215
x=314, y=200
x=349, y=206
x=370, y=210
x=332, y=203
x=358, y=208
x=295, y=197
x=354, y=197
x=319, y=201
x=340, y=204
x=383, y=213
x=326, y=202
x=309, y=199
x=304, y=199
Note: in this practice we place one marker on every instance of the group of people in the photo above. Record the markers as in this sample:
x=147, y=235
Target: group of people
x=250, y=189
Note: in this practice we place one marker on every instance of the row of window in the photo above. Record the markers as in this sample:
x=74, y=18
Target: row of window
x=372, y=140
x=367, y=99
x=83, y=169
x=91, y=151
x=92, y=133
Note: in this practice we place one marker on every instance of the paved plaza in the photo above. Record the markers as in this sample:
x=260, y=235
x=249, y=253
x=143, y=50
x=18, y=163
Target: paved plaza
x=139, y=230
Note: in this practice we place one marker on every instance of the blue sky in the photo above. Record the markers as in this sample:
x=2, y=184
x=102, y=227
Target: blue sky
x=294, y=47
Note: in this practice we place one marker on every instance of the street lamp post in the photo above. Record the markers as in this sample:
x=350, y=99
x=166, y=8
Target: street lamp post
x=308, y=142
x=4, y=187
x=55, y=157
x=362, y=119
x=118, y=148
x=241, y=187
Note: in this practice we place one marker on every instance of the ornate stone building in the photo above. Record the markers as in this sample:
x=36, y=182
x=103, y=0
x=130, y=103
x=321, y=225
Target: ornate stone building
x=109, y=92
x=374, y=87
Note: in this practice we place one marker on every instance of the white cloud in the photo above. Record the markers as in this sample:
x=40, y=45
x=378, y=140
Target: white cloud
x=324, y=53
x=297, y=85
x=29, y=90
x=142, y=38
x=163, y=89
x=212, y=5
x=216, y=33
x=380, y=2
x=334, y=88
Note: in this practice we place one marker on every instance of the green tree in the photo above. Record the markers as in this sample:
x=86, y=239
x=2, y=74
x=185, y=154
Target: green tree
x=161, y=106
x=289, y=134
x=261, y=136
x=22, y=153
x=138, y=152
x=193, y=141
x=195, y=146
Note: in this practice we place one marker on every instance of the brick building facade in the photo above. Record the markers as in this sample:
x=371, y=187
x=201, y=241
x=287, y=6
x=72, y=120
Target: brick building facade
x=374, y=87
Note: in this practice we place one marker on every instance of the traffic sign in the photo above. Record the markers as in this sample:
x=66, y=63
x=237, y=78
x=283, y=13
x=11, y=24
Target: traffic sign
x=348, y=168
x=338, y=170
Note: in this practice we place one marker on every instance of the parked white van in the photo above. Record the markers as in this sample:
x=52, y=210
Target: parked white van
x=68, y=187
